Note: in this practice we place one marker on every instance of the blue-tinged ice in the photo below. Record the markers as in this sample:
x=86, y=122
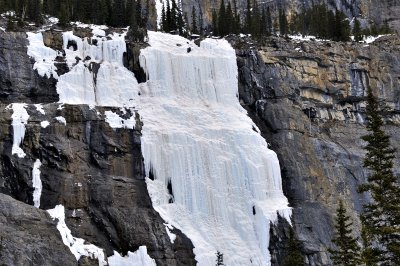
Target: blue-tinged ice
x=225, y=184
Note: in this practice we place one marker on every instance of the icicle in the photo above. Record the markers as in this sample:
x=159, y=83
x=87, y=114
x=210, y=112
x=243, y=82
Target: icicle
x=37, y=183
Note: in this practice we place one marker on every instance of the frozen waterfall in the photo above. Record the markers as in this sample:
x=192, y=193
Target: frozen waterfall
x=209, y=173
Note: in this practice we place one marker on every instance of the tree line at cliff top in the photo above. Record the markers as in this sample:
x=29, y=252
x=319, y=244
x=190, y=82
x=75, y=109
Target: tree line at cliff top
x=258, y=20
x=115, y=13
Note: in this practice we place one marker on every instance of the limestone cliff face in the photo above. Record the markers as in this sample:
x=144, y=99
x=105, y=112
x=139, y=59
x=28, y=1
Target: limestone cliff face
x=308, y=98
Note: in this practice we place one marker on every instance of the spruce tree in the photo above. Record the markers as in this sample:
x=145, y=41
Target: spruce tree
x=249, y=20
x=194, y=21
x=357, y=30
x=293, y=251
x=215, y=23
x=380, y=218
x=347, y=252
x=222, y=20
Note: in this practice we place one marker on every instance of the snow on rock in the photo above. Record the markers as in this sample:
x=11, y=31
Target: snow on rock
x=61, y=120
x=40, y=109
x=76, y=245
x=19, y=120
x=171, y=235
x=44, y=124
x=115, y=121
x=37, y=183
x=215, y=178
x=137, y=258
x=371, y=39
x=3, y=29
x=43, y=55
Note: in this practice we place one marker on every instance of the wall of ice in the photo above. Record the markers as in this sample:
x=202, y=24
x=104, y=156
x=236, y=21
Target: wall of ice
x=36, y=183
x=109, y=85
x=214, y=176
x=19, y=119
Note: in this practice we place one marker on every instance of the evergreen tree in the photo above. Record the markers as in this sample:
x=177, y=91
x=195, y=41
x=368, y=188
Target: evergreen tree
x=293, y=251
x=248, y=21
x=283, y=23
x=194, y=21
x=163, y=18
x=381, y=217
x=220, y=259
x=222, y=20
x=357, y=30
x=347, y=252
x=215, y=23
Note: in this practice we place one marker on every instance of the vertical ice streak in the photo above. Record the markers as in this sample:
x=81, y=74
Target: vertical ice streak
x=214, y=176
x=19, y=120
x=37, y=183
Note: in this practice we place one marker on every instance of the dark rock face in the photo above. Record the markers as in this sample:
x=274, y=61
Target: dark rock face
x=95, y=171
x=17, y=80
x=29, y=237
x=308, y=99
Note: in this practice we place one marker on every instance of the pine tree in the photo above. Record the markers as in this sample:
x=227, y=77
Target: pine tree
x=249, y=20
x=222, y=20
x=163, y=18
x=194, y=21
x=215, y=23
x=357, y=30
x=293, y=251
x=347, y=252
x=283, y=23
x=220, y=259
x=380, y=218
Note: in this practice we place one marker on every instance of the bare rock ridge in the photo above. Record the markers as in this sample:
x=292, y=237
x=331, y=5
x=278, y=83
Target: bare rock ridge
x=308, y=98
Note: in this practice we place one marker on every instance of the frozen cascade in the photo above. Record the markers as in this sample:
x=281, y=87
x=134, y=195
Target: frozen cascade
x=19, y=119
x=37, y=183
x=215, y=178
x=111, y=85
x=137, y=258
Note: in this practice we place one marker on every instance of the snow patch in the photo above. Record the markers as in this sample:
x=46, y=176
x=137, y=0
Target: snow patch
x=171, y=235
x=44, y=124
x=61, y=120
x=37, y=183
x=137, y=258
x=3, y=29
x=115, y=121
x=19, y=120
x=214, y=176
x=40, y=109
x=43, y=55
x=76, y=245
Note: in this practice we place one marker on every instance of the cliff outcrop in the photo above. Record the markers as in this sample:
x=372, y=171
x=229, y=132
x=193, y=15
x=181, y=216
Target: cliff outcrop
x=308, y=98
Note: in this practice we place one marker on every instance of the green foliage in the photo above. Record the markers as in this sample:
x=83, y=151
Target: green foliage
x=293, y=257
x=357, y=31
x=322, y=23
x=283, y=23
x=194, y=21
x=381, y=217
x=172, y=19
x=347, y=252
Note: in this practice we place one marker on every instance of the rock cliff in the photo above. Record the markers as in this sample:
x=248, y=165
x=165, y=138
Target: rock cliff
x=308, y=98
